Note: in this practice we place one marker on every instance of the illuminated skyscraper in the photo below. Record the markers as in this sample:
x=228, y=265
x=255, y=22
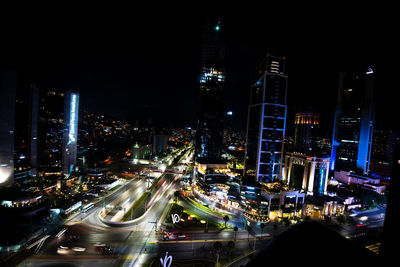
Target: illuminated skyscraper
x=70, y=137
x=266, y=123
x=8, y=81
x=209, y=134
x=354, y=122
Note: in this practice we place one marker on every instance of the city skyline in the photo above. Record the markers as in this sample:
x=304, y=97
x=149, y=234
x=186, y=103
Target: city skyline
x=230, y=136
x=173, y=48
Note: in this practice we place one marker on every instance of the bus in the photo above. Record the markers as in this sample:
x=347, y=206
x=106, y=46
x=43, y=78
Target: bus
x=87, y=207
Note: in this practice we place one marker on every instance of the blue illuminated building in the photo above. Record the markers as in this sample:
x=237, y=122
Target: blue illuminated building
x=354, y=122
x=266, y=123
x=70, y=137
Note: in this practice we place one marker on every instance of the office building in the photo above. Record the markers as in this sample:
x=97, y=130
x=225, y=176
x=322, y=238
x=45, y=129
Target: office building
x=70, y=136
x=306, y=126
x=26, y=133
x=209, y=134
x=51, y=128
x=266, y=123
x=8, y=81
x=58, y=131
x=34, y=130
x=354, y=122
x=160, y=143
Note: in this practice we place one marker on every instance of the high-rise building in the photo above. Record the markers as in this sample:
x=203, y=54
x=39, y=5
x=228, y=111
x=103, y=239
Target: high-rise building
x=306, y=125
x=266, y=123
x=34, y=130
x=51, y=128
x=8, y=81
x=26, y=132
x=354, y=122
x=58, y=131
x=209, y=134
x=70, y=136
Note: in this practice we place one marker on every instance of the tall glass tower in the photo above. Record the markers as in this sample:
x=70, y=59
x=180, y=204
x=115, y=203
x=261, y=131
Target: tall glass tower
x=354, y=122
x=209, y=134
x=70, y=137
x=8, y=81
x=266, y=123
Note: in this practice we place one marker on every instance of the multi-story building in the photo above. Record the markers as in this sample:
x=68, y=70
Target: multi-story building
x=209, y=134
x=26, y=132
x=283, y=201
x=8, y=81
x=140, y=151
x=58, y=131
x=160, y=143
x=354, y=121
x=380, y=158
x=306, y=125
x=307, y=173
x=51, y=125
x=266, y=123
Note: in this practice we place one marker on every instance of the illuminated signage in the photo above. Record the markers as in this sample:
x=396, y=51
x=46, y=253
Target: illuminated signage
x=369, y=71
x=166, y=262
x=73, y=119
x=175, y=218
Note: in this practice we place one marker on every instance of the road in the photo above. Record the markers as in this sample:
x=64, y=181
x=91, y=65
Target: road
x=136, y=244
x=129, y=241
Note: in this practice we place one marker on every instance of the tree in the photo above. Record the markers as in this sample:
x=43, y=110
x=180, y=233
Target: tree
x=275, y=226
x=262, y=226
x=235, y=229
x=226, y=219
x=248, y=233
x=176, y=195
x=217, y=247
x=231, y=246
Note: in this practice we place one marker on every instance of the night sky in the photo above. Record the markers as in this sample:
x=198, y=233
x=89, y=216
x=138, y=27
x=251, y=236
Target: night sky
x=159, y=77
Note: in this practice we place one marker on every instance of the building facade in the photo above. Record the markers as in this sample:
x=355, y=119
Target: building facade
x=307, y=173
x=209, y=134
x=140, y=151
x=266, y=123
x=354, y=122
x=283, y=203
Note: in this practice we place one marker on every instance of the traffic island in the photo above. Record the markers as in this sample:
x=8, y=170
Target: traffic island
x=180, y=218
